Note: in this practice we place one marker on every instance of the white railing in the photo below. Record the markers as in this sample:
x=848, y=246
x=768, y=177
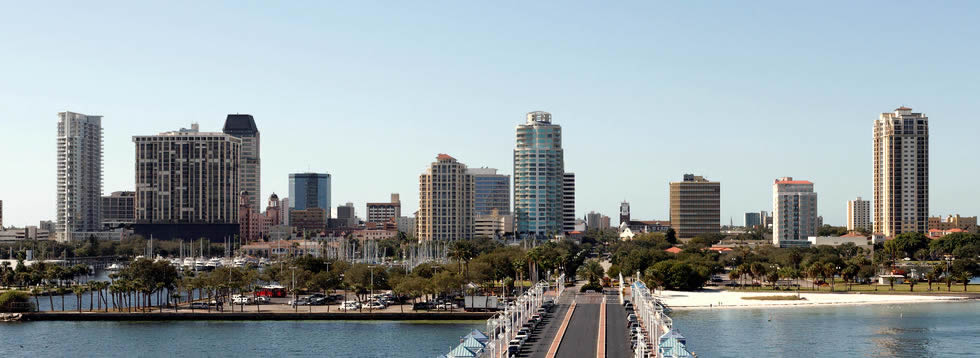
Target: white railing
x=503, y=327
x=653, y=320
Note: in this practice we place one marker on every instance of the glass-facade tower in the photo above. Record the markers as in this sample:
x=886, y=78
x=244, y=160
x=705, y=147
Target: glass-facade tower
x=539, y=167
x=309, y=190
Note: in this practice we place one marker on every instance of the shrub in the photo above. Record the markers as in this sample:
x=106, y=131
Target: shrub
x=16, y=301
x=591, y=286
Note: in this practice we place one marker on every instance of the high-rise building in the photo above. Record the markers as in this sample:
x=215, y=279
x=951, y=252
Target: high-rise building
x=539, y=168
x=445, y=201
x=384, y=212
x=187, y=185
x=346, y=217
x=284, y=210
x=596, y=221
x=695, y=206
x=79, y=174
x=858, y=214
x=752, y=220
x=901, y=172
x=118, y=209
x=492, y=191
x=243, y=127
x=952, y=222
x=568, y=202
x=765, y=220
x=624, y=213
x=794, y=212
x=309, y=190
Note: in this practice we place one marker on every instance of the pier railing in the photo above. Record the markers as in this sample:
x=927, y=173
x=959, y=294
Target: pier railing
x=658, y=336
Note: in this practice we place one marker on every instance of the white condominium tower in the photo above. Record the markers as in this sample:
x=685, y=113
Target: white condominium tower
x=794, y=212
x=445, y=201
x=858, y=214
x=79, y=174
x=539, y=180
x=901, y=160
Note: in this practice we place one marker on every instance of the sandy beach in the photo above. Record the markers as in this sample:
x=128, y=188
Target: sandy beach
x=711, y=299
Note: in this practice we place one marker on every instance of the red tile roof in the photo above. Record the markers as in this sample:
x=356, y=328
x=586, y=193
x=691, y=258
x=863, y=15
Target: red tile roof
x=903, y=108
x=674, y=250
x=444, y=156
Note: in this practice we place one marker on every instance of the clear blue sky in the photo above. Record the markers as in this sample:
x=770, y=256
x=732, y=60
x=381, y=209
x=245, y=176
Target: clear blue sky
x=740, y=92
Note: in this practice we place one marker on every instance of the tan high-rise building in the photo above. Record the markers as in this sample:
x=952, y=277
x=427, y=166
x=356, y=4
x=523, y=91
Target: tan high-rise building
x=695, y=206
x=901, y=172
x=187, y=177
x=381, y=213
x=858, y=214
x=445, y=201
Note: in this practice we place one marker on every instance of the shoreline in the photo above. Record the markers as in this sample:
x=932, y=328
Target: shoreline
x=709, y=300
x=254, y=316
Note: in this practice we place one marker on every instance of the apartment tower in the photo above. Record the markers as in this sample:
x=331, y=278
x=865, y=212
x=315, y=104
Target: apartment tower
x=858, y=214
x=539, y=180
x=794, y=212
x=445, y=201
x=901, y=172
x=79, y=174
x=568, y=202
x=695, y=206
x=243, y=127
x=187, y=184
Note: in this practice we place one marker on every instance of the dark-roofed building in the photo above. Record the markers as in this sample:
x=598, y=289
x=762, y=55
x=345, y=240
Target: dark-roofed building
x=243, y=126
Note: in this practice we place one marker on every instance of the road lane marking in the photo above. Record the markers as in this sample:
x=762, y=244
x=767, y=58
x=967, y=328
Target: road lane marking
x=553, y=350
x=601, y=345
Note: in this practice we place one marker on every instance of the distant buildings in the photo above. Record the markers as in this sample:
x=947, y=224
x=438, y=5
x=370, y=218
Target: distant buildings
x=79, y=175
x=853, y=238
x=901, y=172
x=492, y=191
x=766, y=219
x=254, y=226
x=858, y=214
x=642, y=226
x=539, y=177
x=1, y=214
x=596, y=221
x=243, y=127
x=568, y=202
x=951, y=222
x=406, y=225
x=118, y=209
x=346, y=217
x=494, y=225
x=752, y=220
x=308, y=220
x=187, y=185
x=695, y=206
x=624, y=213
x=309, y=190
x=794, y=205
x=445, y=201
x=380, y=213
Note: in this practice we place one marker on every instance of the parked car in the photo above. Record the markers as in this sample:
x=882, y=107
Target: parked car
x=241, y=300
x=350, y=305
x=421, y=306
x=262, y=300
x=300, y=302
x=376, y=305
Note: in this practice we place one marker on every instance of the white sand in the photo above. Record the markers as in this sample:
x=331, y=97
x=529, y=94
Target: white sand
x=728, y=299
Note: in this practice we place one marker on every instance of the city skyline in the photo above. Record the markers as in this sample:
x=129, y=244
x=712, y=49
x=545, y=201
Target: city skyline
x=745, y=109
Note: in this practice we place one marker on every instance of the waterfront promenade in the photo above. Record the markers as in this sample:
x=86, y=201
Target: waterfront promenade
x=578, y=334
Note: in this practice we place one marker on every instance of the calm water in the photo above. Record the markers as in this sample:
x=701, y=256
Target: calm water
x=232, y=339
x=910, y=330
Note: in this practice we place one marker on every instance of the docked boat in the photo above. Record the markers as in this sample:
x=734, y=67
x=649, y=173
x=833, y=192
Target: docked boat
x=115, y=267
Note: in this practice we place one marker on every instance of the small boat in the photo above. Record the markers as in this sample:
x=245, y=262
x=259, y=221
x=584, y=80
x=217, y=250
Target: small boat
x=114, y=267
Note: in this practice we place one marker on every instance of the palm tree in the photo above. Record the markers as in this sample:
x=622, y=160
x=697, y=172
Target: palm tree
x=735, y=274
x=591, y=271
x=830, y=272
x=757, y=270
x=813, y=271
x=34, y=292
x=79, y=290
